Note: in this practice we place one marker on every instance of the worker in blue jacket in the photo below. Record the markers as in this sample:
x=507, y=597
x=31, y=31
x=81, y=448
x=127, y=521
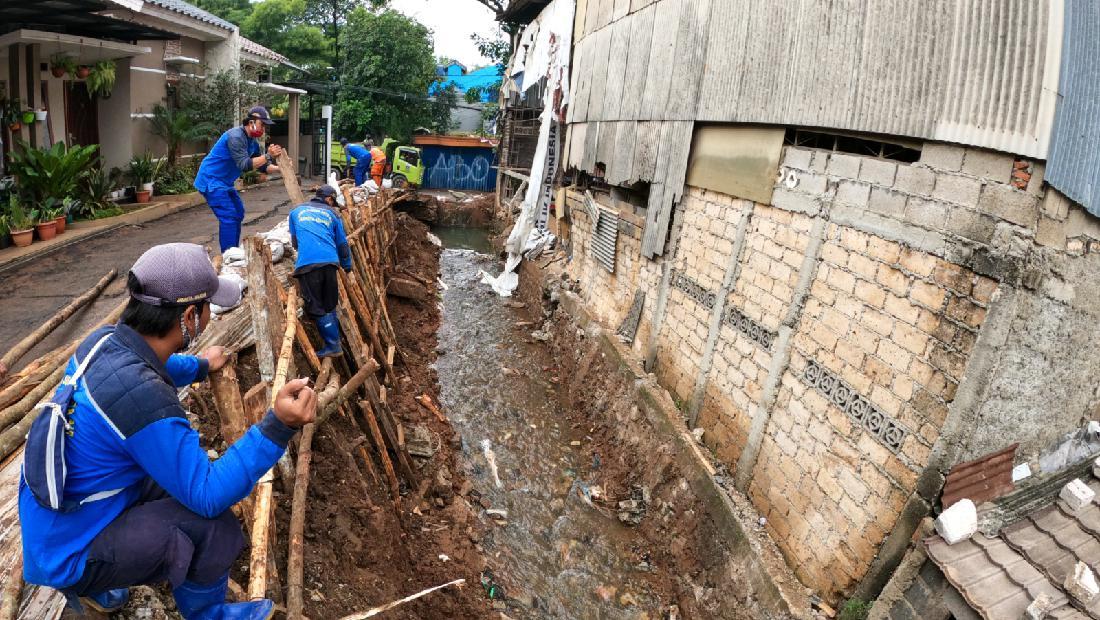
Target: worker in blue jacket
x=361, y=153
x=317, y=232
x=235, y=152
x=116, y=489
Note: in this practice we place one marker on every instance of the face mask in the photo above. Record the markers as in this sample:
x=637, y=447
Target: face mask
x=253, y=131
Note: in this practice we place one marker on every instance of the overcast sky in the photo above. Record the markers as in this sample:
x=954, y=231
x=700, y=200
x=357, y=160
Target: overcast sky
x=452, y=21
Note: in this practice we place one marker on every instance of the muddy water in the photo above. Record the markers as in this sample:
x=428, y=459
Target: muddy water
x=554, y=555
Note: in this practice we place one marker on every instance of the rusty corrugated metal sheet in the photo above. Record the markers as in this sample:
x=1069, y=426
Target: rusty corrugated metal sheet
x=982, y=479
x=1074, y=163
x=967, y=71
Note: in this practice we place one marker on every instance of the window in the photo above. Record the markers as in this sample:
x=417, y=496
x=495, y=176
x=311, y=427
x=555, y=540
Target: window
x=899, y=150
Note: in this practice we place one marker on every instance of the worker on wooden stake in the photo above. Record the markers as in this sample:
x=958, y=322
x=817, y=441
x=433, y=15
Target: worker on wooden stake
x=317, y=232
x=235, y=152
x=116, y=490
x=361, y=153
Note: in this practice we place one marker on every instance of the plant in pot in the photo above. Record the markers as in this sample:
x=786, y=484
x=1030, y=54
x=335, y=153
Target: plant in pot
x=13, y=114
x=60, y=64
x=95, y=191
x=45, y=177
x=142, y=171
x=20, y=223
x=5, y=228
x=101, y=80
x=45, y=221
x=83, y=71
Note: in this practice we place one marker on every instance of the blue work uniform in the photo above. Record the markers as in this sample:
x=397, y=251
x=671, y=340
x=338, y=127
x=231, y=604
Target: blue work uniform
x=220, y=169
x=317, y=232
x=362, y=161
x=130, y=435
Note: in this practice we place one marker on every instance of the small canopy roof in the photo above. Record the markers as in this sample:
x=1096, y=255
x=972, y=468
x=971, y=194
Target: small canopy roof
x=74, y=17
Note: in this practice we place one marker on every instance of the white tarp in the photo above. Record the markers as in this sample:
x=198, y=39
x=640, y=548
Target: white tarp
x=544, y=51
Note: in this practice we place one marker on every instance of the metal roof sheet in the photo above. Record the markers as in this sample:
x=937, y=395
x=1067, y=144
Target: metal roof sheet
x=982, y=479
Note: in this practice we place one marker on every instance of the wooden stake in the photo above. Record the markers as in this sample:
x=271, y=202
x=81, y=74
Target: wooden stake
x=20, y=349
x=258, y=301
x=227, y=398
x=426, y=402
x=261, y=522
x=380, y=445
x=13, y=589
x=349, y=389
x=388, y=606
x=290, y=178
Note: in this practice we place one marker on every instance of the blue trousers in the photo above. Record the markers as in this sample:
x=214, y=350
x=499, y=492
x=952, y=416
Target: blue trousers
x=228, y=208
x=362, y=169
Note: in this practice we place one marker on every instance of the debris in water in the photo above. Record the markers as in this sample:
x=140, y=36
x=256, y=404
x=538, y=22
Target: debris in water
x=762, y=522
x=436, y=241
x=487, y=448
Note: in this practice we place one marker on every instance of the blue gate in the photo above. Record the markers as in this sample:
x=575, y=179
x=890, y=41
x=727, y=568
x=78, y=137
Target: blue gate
x=463, y=168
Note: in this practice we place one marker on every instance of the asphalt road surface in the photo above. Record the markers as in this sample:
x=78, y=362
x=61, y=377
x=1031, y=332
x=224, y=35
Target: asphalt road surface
x=34, y=291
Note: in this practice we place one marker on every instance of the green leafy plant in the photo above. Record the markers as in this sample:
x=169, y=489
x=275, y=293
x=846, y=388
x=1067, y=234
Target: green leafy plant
x=94, y=192
x=18, y=218
x=177, y=127
x=13, y=111
x=854, y=609
x=64, y=62
x=101, y=80
x=178, y=179
x=45, y=177
x=142, y=169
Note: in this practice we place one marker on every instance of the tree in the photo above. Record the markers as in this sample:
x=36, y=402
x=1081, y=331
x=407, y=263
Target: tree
x=278, y=24
x=235, y=11
x=333, y=14
x=384, y=84
x=220, y=100
x=177, y=127
x=445, y=101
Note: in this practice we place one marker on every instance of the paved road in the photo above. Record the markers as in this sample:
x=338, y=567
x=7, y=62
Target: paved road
x=32, y=292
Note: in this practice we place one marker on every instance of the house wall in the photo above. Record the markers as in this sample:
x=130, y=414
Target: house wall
x=115, y=123
x=880, y=321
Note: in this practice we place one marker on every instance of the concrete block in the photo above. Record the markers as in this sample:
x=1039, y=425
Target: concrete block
x=1082, y=222
x=1055, y=205
x=971, y=225
x=788, y=200
x=942, y=156
x=878, y=171
x=928, y=213
x=1008, y=203
x=887, y=202
x=1040, y=608
x=915, y=180
x=820, y=162
x=1076, y=495
x=957, y=189
x=853, y=193
x=796, y=157
x=1081, y=584
x=1051, y=233
x=846, y=166
x=959, y=522
x=810, y=183
x=988, y=165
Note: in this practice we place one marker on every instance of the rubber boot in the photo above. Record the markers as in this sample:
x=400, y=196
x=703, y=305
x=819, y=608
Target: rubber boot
x=197, y=602
x=329, y=327
x=106, y=602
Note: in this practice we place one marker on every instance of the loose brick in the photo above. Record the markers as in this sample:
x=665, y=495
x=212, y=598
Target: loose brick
x=957, y=189
x=1051, y=233
x=853, y=193
x=1007, y=203
x=893, y=279
x=846, y=166
x=829, y=485
x=988, y=165
x=928, y=294
x=983, y=289
x=966, y=312
x=878, y=171
x=971, y=225
x=942, y=156
x=853, y=486
x=783, y=198
x=927, y=213
x=916, y=180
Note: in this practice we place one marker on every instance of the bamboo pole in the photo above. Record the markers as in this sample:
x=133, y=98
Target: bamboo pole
x=20, y=349
x=380, y=444
x=261, y=521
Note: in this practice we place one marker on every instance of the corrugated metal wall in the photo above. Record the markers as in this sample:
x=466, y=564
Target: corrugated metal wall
x=1074, y=164
x=450, y=167
x=977, y=72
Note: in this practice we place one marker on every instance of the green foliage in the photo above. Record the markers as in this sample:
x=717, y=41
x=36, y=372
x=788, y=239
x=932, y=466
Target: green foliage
x=280, y=25
x=142, y=169
x=498, y=49
x=101, y=81
x=18, y=217
x=386, y=52
x=109, y=212
x=178, y=178
x=12, y=110
x=64, y=61
x=45, y=177
x=854, y=609
x=221, y=100
x=177, y=127
x=94, y=190
x=234, y=11
x=445, y=101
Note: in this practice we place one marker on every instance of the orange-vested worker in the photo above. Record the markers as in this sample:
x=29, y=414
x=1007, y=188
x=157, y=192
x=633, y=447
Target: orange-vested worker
x=377, y=164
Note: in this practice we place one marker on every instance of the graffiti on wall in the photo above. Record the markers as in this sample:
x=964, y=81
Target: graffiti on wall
x=448, y=169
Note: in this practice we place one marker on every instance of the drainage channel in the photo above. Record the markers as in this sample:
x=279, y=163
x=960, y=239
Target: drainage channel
x=552, y=554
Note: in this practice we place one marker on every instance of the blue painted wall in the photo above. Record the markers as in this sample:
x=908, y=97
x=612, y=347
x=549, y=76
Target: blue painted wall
x=452, y=167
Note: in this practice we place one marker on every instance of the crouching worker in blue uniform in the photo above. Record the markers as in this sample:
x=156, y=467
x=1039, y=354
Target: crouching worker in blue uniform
x=235, y=152
x=317, y=232
x=361, y=153
x=116, y=490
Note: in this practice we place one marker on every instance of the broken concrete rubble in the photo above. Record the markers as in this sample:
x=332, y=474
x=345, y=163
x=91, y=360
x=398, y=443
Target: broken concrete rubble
x=959, y=522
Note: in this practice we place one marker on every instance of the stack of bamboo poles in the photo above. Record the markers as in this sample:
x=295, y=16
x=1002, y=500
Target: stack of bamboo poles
x=349, y=386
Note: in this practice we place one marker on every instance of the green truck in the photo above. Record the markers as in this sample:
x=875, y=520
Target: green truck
x=404, y=164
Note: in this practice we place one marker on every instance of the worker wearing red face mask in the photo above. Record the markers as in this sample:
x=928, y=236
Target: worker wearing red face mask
x=235, y=152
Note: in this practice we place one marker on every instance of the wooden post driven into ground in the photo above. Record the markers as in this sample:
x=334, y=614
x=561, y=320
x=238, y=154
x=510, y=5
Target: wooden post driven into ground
x=290, y=178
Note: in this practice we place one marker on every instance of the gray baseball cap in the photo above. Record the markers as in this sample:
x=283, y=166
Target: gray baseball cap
x=180, y=274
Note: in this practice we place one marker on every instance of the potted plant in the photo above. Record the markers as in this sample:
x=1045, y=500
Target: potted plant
x=21, y=225
x=142, y=171
x=101, y=79
x=60, y=64
x=40, y=115
x=28, y=117
x=83, y=71
x=5, y=228
x=13, y=114
x=45, y=177
x=45, y=223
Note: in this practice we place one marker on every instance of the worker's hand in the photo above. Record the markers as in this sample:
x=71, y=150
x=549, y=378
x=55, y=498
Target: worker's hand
x=296, y=403
x=272, y=169
x=274, y=150
x=217, y=357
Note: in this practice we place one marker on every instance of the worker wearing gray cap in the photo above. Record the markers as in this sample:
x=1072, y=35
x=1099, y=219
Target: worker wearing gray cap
x=116, y=489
